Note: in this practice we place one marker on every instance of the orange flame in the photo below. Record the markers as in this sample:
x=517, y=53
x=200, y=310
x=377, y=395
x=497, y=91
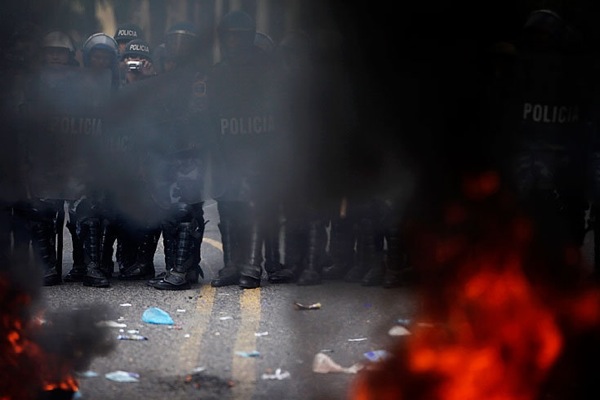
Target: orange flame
x=499, y=342
x=505, y=321
x=21, y=358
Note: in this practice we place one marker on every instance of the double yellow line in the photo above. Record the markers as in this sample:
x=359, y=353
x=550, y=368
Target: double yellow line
x=244, y=372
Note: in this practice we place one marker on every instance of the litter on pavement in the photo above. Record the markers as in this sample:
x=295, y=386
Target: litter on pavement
x=278, y=375
x=122, y=376
x=377, y=355
x=324, y=364
x=362, y=339
x=299, y=306
x=111, y=324
x=132, y=337
x=86, y=374
x=248, y=354
x=398, y=331
x=155, y=315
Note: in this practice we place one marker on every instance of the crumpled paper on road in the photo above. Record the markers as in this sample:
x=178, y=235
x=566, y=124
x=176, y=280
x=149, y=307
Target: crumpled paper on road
x=324, y=364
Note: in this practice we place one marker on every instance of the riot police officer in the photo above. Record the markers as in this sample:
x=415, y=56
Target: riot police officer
x=138, y=61
x=243, y=115
x=95, y=211
x=546, y=123
x=176, y=157
x=64, y=111
x=58, y=49
x=124, y=34
x=136, y=237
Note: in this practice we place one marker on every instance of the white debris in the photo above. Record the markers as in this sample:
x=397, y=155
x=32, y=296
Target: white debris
x=111, y=324
x=324, y=364
x=398, y=331
x=278, y=375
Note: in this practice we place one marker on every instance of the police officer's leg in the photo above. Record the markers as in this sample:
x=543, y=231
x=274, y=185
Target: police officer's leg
x=397, y=269
x=78, y=270
x=5, y=234
x=145, y=242
x=196, y=272
x=21, y=230
x=379, y=214
x=185, y=230
x=128, y=236
x=43, y=233
x=315, y=252
x=295, y=230
x=89, y=229
x=251, y=247
x=228, y=219
x=376, y=266
x=367, y=245
x=109, y=233
x=277, y=272
x=341, y=247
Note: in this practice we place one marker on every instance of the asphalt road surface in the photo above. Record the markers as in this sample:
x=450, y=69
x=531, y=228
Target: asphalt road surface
x=203, y=354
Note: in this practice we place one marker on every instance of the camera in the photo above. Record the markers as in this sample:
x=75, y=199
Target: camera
x=135, y=65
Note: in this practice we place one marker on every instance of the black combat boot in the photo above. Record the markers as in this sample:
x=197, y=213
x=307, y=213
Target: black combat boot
x=251, y=265
x=176, y=277
x=276, y=271
x=128, y=241
x=341, y=248
x=397, y=272
x=169, y=234
x=376, y=263
x=295, y=245
x=195, y=272
x=108, y=237
x=365, y=249
x=230, y=273
x=44, y=242
x=143, y=267
x=78, y=270
x=90, y=235
x=316, y=242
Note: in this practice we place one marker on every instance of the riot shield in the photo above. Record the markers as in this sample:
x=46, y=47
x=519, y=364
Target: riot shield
x=170, y=134
x=243, y=114
x=65, y=121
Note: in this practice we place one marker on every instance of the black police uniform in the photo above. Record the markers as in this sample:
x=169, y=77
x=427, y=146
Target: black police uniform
x=178, y=156
x=243, y=116
x=548, y=125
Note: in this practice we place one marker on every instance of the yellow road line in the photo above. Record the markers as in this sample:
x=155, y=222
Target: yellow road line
x=213, y=243
x=244, y=369
x=190, y=350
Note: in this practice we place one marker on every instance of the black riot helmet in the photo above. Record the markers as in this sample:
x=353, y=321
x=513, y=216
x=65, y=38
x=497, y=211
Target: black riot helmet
x=127, y=32
x=264, y=42
x=295, y=51
x=181, y=41
x=99, y=41
x=137, y=48
x=58, y=48
x=58, y=39
x=544, y=29
x=237, y=33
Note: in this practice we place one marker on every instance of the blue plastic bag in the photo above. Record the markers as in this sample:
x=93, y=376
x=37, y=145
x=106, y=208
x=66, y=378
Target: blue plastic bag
x=155, y=315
